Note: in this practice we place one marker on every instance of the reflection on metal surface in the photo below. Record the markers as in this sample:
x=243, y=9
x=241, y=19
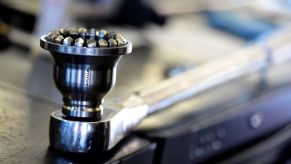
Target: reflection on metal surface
x=73, y=135
x=136, y=107
x=83, y=75
x=192, y=82
x=99, y=135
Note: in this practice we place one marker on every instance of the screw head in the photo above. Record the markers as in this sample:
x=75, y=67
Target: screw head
x=102, y=43
x=91, y=43
x=68, y=41
x=79, y=42
x=112, y=43
x=59, y=39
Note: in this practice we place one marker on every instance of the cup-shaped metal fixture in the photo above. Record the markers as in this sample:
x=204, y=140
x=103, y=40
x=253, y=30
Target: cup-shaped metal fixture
x=85, y=67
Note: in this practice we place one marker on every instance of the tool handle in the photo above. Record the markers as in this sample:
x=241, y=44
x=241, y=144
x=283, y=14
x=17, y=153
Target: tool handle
x=273, y=50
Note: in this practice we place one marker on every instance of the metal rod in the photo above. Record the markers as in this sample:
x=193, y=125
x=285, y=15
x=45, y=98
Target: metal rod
x=273, y=50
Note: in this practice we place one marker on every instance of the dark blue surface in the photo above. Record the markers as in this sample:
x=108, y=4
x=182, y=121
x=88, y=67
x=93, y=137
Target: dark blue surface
x=243, y=25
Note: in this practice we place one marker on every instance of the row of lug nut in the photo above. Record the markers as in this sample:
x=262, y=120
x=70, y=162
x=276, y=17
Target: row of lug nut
x=82, y=37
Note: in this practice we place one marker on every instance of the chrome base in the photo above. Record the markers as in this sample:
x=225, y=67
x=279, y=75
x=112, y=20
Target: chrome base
x=78, y=136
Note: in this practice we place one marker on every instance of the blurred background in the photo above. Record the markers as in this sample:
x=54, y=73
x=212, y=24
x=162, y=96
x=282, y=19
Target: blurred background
x=169, y=37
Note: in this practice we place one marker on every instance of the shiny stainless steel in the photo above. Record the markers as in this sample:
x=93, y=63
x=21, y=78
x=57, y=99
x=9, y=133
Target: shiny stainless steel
x=59, y=39
x=274, y=50
x=68, y=41
x=86, y=77
x=92, y=33
x=91, y=43
x=112, y=43
x=83, y=82
x=88, y=136
x=102, y=43
x=102, y=33
x=85, y=51
x=82, y=31
x=83, y=78
x=76, y=136
x=79, y=42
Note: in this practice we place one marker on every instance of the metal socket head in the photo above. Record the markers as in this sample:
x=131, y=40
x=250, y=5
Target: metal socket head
x=84, y=71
